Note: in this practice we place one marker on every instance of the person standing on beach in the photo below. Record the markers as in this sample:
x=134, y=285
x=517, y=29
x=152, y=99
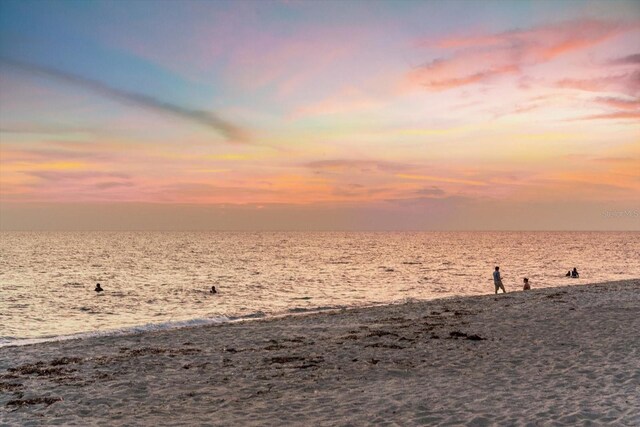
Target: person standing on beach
x=497, y=281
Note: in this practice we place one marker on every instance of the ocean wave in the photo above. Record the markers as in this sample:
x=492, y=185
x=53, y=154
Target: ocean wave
x=315, y=309
x=149, y=327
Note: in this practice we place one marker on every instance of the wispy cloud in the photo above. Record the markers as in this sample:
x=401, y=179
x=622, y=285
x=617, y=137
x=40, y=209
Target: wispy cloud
x=54, y=176
x=351, y=165
x=432, y=191
x=621, y=103
x=627, y=60
x=627, y=83
x=112, y=184
x=480, y=58
x=615, y=115
x=232, y=132
x=419, y=177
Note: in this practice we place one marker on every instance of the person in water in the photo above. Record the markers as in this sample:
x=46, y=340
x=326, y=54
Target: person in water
x=98, y=288
x=497, y=281
x=213, y=290
x=568, y=274
x=527, y=286
x=574, y=273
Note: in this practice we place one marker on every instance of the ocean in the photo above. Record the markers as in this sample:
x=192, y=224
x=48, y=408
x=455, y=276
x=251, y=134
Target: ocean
x=157, y=280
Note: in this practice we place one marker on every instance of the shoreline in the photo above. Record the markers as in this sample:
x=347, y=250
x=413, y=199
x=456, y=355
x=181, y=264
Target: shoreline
x=556, y=354
x=223, y=320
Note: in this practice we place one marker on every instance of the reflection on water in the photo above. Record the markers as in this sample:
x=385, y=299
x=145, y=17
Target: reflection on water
x=47, y=279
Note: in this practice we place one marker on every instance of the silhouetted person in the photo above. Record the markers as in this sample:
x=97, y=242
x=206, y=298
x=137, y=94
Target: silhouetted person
x=527, y=286
x=98, y=288
x=497, y=281
x=213, y=290
x=568, y=274
x=574, y=273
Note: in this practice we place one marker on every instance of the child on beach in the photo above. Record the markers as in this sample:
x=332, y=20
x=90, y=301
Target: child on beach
x=526, y=286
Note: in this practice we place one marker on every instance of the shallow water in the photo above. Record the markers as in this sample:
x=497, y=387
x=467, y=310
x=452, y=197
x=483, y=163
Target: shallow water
x=161, y=279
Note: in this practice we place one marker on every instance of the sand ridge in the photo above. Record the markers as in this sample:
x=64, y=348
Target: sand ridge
x=555, y=356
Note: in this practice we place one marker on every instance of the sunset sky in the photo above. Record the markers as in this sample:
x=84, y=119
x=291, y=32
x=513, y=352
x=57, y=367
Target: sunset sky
x=320, y=115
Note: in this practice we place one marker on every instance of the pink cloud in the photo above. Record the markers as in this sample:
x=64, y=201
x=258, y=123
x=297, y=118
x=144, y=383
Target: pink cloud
x=628, y=83
x=627, y=60
x=544, y=42
x=481, y=58
x=615, y=115
x=620, y=103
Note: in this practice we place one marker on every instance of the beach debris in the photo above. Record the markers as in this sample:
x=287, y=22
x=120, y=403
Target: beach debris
x=395, y=319
x=313, y=363
x=307, y=363
x=457, y=334
x=143, y=351
x=383, y=345
x=8, y=387
x=472, y=337
x=462, y=313
x=39, y=369
x=102, y=375
x=381, y=333
x=65, y=361
x=185, y=351
x=349, y=337
x=284, y=359
x=34, y=401
x=556, y=295
x=275, y=347
x=147, y=350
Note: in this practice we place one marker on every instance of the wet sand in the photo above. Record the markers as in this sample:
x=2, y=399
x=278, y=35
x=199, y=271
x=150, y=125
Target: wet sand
x=555, y=356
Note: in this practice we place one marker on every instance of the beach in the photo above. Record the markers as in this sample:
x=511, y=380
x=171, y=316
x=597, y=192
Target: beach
x=554, y=356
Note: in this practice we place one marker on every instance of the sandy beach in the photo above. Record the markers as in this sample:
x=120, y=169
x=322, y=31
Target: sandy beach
x=555, y=356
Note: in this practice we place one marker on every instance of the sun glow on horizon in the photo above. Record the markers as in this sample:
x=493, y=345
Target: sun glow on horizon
x=398, y=110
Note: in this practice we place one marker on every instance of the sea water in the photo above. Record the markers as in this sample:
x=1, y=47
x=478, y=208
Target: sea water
x=156, y=280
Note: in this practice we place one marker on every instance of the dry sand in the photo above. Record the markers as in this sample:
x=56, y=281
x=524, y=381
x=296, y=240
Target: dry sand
x=556, y=356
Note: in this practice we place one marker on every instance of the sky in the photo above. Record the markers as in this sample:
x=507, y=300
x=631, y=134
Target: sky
x=323, y=115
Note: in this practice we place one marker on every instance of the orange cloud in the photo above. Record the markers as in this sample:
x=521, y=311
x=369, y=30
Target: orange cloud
x=440, y=179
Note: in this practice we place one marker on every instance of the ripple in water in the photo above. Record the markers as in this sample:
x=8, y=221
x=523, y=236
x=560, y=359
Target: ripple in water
x=157, y=280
